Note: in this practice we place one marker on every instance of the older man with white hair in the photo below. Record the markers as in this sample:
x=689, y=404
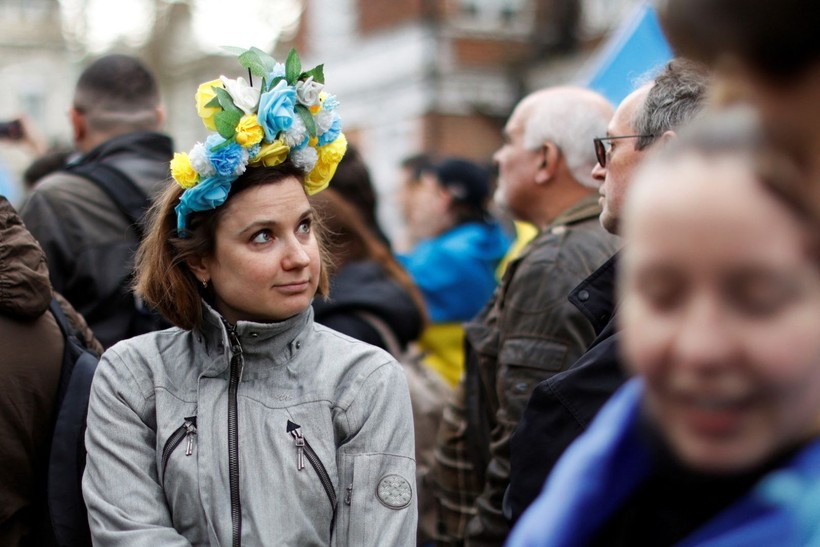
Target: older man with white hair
x=529, y=330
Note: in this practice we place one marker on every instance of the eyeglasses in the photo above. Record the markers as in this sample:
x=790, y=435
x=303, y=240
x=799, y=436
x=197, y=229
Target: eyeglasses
x=602, y=154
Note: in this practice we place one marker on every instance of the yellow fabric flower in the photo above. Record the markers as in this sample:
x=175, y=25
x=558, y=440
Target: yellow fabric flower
x=272, y=153
x=182, y=170
x=248, y=131
x=329, y=157
x=203, y=96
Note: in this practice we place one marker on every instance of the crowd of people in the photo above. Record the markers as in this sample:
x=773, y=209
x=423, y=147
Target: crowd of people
x=643, y=369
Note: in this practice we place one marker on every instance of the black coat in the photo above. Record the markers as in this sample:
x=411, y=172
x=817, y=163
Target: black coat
x=363, y=286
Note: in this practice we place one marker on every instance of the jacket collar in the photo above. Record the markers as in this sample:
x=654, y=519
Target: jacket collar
x=148, y=144
x=581, y=210
x=262, y=344
x=595, y=295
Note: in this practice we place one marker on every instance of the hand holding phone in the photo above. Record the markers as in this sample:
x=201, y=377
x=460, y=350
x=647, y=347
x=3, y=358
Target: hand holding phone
x=12, y=130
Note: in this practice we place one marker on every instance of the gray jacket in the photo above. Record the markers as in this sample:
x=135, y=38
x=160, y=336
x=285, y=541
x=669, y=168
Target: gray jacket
x=279, y=434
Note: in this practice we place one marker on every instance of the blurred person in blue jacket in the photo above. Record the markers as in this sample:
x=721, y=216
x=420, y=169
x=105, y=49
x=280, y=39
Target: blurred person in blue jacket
x=455, y=259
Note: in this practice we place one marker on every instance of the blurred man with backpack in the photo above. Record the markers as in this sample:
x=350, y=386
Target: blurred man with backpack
x=87, y=218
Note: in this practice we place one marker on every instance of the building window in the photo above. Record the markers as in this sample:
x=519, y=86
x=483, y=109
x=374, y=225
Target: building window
x=510, y=16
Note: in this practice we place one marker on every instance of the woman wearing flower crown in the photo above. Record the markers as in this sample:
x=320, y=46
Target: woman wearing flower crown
x=248, y=423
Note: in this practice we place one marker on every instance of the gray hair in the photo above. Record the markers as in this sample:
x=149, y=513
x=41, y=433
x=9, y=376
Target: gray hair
x=677, y=96
x=571, y=121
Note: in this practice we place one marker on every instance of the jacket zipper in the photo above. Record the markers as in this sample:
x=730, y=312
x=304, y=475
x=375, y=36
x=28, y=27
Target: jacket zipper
x=186, y=430
x=303, y=449
x=237, y=361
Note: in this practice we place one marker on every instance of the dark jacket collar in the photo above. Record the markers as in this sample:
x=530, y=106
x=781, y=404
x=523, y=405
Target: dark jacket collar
x=148, y=144
x=595, y=295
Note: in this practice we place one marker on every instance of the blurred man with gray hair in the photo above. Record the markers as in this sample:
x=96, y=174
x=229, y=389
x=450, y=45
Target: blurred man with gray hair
x=528, y=331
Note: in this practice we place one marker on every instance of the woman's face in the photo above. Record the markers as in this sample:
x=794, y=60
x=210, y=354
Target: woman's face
x=266, y=261
x=720, y=313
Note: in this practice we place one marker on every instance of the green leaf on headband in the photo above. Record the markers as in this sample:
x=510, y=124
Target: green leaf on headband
x=293, y=67
x=307, y=117
x=257, y=61
x=317, y=72
x=267, y=61
x=213, y=103
x=225, y=100
x=226, y=122
x=251, y=61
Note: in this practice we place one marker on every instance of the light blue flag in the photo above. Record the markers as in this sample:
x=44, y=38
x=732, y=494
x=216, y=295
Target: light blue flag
x=633, y=50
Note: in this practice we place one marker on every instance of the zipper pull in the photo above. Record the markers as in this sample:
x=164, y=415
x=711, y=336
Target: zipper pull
x=236, y=346
x=190, y=428
x=349, y=495
x=299, y=440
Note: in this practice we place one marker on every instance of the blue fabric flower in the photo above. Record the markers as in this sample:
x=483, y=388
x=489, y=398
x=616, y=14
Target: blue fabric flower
x=333, y=131
x=275, y=112
x=227, y=159
x=208, y=194
x=278, y=71
x=330, y=103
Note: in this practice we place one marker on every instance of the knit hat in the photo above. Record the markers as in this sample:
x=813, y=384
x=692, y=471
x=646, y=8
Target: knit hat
x=467, y=182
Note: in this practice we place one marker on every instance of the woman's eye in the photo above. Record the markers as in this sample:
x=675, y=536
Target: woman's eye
x=661, y=289
x=304, y=227
x=262, y=237
x=761, y=299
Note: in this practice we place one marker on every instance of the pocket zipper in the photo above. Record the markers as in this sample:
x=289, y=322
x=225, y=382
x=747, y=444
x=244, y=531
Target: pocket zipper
x=303, y=449
x=186, y=430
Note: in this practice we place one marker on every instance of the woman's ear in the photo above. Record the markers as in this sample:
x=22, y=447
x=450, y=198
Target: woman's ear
x=199, y=266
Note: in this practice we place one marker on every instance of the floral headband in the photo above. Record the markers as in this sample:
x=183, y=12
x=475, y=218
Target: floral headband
x=289, y=116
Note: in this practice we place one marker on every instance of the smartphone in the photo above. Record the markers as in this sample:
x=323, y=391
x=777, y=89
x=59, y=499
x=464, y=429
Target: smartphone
x=11, y=130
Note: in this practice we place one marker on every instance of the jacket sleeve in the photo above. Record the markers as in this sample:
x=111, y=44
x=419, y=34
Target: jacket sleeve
x=126, y=504
x=378, y=498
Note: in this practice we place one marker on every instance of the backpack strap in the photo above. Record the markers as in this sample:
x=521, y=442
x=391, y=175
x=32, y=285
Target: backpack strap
x=66, y=462
x=119, y=187
x=389, y=338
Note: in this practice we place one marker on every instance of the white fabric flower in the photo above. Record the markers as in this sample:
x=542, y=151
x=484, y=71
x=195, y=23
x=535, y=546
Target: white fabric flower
x=304, y=158
x=245, y=97
x=296, y=134
x=324, y=119
x=307, y=91
x=200, y=161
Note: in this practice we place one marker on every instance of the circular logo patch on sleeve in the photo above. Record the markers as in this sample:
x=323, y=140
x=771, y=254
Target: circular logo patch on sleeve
x=394, y=491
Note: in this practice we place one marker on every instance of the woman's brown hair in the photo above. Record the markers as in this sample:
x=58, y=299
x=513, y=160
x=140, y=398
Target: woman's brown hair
x=349, y=239
x=163, y=278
